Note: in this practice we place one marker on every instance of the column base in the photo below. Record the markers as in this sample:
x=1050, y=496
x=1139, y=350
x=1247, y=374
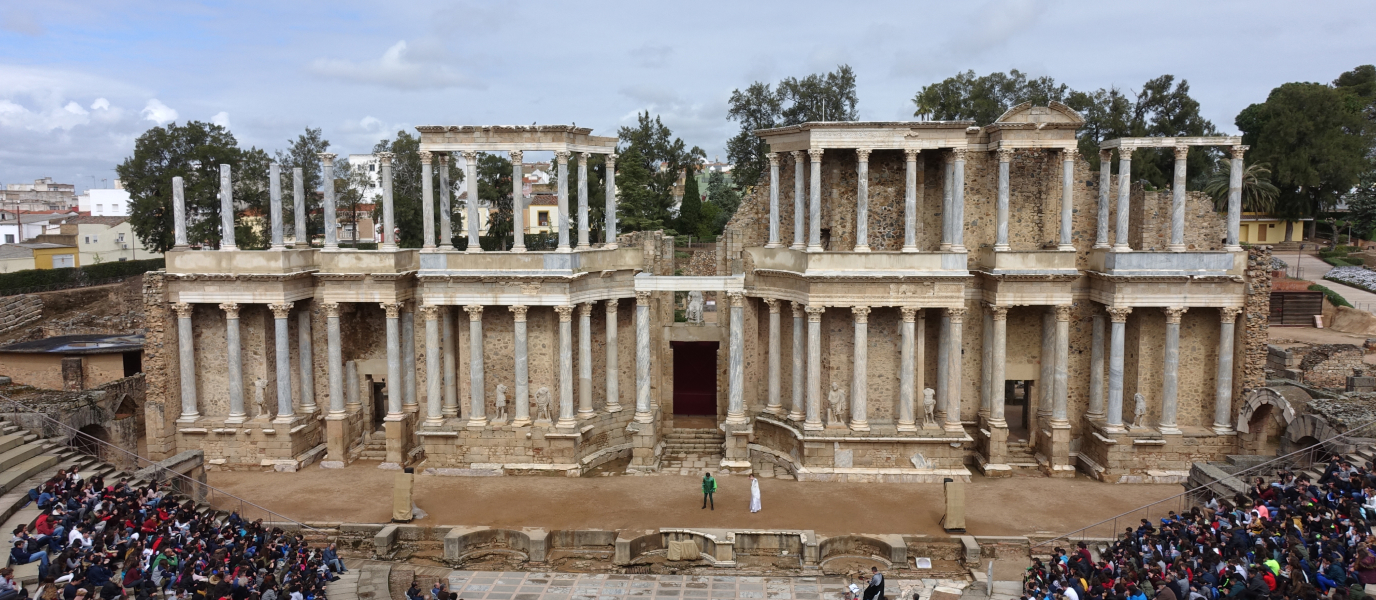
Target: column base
x=644, y=417
x=428, y=247
x=583, y=416
x=909, y=249
x=1060, y=424
x=566, y=424
x=583, y=247
x=907, y=427
x=773, y=245
x=736, y=419
x=813, y=426
x=998, y=423
x=410, y=408
x=1098, y=246
x=309, y=409
x=1120, y=248
x=859, y=425
x=798, y=247
x=864, y=248
x=517, y=249
x=1169, y=430
x=954, y=427
x=284, y=419
x=520, y=422
x=1232, y=248
x=776, y=410
x=477, y=422
x=388, y=247
x=795, y=416
x=189, y=418
x=817, y=248
x=1065, y=247
x=1096, y=416
x=958, y=248
x=233, y=419
x=473, y=250
x=446, y=248
x=614, y=408
x=1002, y=247
x=944, y=246
x=434, y=422
x=327, y=248
x=1114, y=429
x=450, y=413
x=1175, y=248
x=1224, y=429
x=563, y=250
x=609, y=246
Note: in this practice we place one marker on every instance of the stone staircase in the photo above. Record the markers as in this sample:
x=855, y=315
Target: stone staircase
x=1022, y=458
x=687, y=450
x=374, y=447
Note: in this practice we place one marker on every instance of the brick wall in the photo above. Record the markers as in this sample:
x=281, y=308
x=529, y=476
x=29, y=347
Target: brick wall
x=18, y=311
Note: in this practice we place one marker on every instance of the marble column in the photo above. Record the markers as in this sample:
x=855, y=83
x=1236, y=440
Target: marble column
x=642, y=358
x=943, y=340
x=446, y=240
x=275, y=206
x=813, y=420
x=1061, y=381
x=610, y=233
x=986, y=372
x=1235, y=199
x=522, y=385
x=353, y=401
x=907, y=398
x=434, y=411
x=1223, y=392
x=298, y=206
x=334, y=355
x=1096, y=369
x=910, y=200
x=997, y=375
x=408, y=356
x=774, y=405
x=451, y=380
x=1067, y=198
x=1177, y=243
x=186, y=354
x=389, y=221
x=1117, y=329
x=472, y=220
x=947, y=206
x=798, y=390
x=957, y=318
x=814, y=205
x=427, y=200
x=585, y=361
x=307, y=361
x=280, y=312
x=773, y=201
x=562, y=159
x=920, y=350
x=862, y=200
x=234, y=363
x=566, y=418
x=958, y=202
x=799, y=208
x=583, y=225
x=613, y=403
x=179, y=214
x=393, y=309
x=226, y=210
x=518, y=203
x=477, y=384
x=1005, y=155
x=1105, y=188
x=1120, y=234
x=1170, y=379
x=735, y=407
x=329, y=206
x=860, y=370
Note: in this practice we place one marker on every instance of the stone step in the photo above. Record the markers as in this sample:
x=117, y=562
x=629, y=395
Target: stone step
x=14, y=456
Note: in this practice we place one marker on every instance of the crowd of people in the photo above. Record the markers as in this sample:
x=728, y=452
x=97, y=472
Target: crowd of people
x=1292, y=538
x=95, y=540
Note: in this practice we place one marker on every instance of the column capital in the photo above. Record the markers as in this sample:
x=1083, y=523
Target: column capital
x=585, y=309
x=443, y=158
x=815, y=154
x=583, y=158
x=1228, y=314
x=814, y=313
x=1181, y=152
x=516, y=156
x=959, y=154
x=1173, y=314
x=385, y=158
x=797, y=156
x=798, y=309
x=999, y=313
x=911, y=153
x=1124, y=153
x=562, y=157
x=425, y=156
x=642, y=298
x=860, y=313
x=565, y=313
x=280, y=311
x=231, y=310
x=331, y=309
x=957, y=315
x=518, y=311
x=1069, y=154
x=773, y=304
x=470, y=155
x=393, y=309
x=863, y=154
x=327, y=158
x=1238, y=151
x=183, y=309
x=611, y=305
x=611, y=160
x=737, y=299
x=1106, y=155
x=1004, y=154
x=475, y=312
x=773, y=158
x=1062, y=312
x=1119, y=314
x=430, y=312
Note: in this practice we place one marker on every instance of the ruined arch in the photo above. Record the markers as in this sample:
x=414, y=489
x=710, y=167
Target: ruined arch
x=1308, y=426
x=1259, y=397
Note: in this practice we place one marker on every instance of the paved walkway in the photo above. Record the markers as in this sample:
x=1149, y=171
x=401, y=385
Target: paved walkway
x=487, y=585
x=1313, y=269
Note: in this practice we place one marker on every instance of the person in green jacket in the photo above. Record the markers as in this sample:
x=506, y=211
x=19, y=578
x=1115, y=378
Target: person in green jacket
x=709, y=487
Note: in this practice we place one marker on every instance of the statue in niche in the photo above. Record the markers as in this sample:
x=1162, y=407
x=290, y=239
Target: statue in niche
x=542, y=405
x=694, y=310
x=1139, y=412
x=259, y=385
x=836, y=406
x=928, y=408
x=501, y=403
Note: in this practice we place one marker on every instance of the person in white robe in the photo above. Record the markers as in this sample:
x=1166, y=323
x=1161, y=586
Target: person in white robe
x=754, y=494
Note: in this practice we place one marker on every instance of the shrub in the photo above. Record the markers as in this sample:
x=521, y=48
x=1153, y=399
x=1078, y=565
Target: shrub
x=1333, y=297
x=11, y=283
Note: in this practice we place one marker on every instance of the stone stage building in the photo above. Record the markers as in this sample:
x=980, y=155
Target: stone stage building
x=896, y=301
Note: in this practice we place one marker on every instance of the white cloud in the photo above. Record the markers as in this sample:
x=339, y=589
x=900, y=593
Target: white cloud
x=221, y=118
x=74, y=108
x=100, y=104
x=158, y=112
x=397, y=69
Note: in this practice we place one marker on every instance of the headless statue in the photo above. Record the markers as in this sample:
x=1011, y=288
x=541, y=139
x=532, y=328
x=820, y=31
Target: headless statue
x=693, y=313
x=928, y=407
x=501, y=403
x=836, y=406
x=259, y=385
x=542, y=405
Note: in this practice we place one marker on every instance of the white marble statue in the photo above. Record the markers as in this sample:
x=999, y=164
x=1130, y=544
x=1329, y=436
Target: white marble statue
x=501, y=403
x=693, y=313
x=928, y=407
x=259, y=385
x=542, y=405
x=1139, y=412
x=836, y=406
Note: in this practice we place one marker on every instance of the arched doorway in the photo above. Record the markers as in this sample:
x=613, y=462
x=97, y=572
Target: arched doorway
x=91, y=440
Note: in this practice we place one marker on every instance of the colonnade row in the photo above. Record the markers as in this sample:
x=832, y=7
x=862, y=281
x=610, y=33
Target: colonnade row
x=389, y=241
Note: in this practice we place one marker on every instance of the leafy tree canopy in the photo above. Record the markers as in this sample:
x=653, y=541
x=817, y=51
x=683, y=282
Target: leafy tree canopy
x=406, y=188
x=659, y=159
x=817, y=97
x=303, y=153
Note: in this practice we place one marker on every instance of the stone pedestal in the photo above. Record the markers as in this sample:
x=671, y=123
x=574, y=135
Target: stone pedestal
x=1059, y=445
x=336, y=441
x=993, y=461
x=645, y=447
x=398, y=429
x=735, y=454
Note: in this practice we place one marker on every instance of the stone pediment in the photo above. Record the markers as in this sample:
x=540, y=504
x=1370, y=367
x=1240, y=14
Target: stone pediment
x=1055, y=115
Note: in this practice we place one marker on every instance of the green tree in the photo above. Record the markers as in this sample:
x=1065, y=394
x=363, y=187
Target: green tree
x=494, y=190
x=639, y=209
x=1361, y=203
x=724, y=198
x=252, y=192
x=194, y=152
x=407, y=208
x=303, y=152
x=817, y=97
x=353, y=188
x=983, y=99
x=661, y=158
x=690, y=210
x=1258, y=193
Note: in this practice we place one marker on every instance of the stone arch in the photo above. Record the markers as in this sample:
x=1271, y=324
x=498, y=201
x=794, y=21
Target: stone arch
x=1259, y=397
x=1310, y=426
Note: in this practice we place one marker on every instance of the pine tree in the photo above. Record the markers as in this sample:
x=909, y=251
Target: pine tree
x=690, y=211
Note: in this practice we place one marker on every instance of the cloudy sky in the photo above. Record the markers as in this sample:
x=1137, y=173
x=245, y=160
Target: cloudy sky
x=79, y=81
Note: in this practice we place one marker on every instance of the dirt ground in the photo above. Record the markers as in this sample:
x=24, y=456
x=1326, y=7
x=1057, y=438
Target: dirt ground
x=1016, y=506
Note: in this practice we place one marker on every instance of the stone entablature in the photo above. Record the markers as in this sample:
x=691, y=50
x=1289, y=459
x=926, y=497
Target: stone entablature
x=502, y=138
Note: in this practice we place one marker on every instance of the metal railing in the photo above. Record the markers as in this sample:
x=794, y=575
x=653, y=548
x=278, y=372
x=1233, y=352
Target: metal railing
x=1111, y=528
x=200, y=491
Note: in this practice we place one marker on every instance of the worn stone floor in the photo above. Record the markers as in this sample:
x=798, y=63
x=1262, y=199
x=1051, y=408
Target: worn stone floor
x=487, y=585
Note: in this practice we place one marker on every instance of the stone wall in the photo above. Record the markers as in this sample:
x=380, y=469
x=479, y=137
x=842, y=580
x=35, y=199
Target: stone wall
x=18, y=311
x=1150, y=221
x=1329, y=365
x=160, y=366
x=1256, y=321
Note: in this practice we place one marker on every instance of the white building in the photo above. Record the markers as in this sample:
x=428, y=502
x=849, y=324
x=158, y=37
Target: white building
x=105, y=202
x=33, y=225
x=106, y=239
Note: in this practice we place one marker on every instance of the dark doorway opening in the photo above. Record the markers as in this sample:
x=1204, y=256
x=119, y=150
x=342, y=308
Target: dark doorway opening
x=90, y=440
x=1017, y=407
x=133, y=363
x=695, y=377
x=379, y=404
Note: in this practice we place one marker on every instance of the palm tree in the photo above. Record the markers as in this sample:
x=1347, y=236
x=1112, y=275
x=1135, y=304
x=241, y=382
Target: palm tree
x=1258, y=193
